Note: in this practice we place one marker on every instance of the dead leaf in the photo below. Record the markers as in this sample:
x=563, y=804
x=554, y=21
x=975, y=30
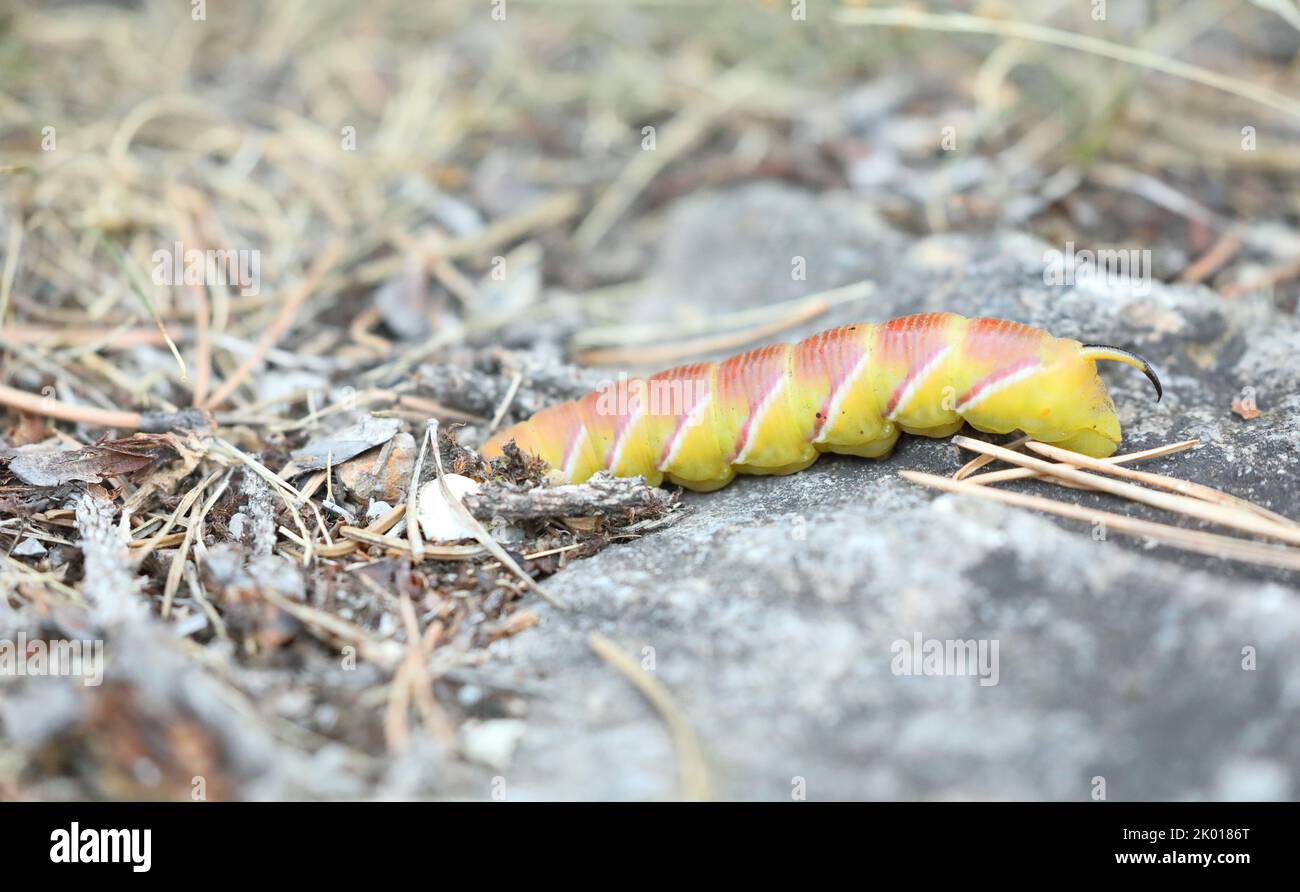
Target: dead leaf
x=345, y=444
x=46, y=466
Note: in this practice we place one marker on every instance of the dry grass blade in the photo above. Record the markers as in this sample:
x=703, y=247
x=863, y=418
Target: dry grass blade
x=413, y=502
x=1163, y=481
x=194, y=531
x=685, y=129
x=1142, y=58
x=666, y=353
x=1127, y=458
x=1211, y=544
x=695, y=784
x=631, y=334
x=381, y=525
x=10, y=268
x=295, y=299
x=980, y=461
x=1220, y=514
x=500, y=413
x=159, y=539
x=437, y=552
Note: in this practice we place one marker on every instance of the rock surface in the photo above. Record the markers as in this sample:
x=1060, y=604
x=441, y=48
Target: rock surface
x=775, y=610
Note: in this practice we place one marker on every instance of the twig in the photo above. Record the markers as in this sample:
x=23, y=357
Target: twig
x=1208, y=263
x=980, y=461
x=1027, y=473
x=1163, y=481
x=600, y=496
x=1211, y=544
x=693, y=769
x=292, y=303
x=47, y=407
x=1224, y=516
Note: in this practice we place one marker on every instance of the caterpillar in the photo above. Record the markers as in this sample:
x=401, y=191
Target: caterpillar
x=850, y=390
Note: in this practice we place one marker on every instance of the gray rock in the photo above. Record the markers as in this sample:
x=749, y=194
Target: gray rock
x=777, y=609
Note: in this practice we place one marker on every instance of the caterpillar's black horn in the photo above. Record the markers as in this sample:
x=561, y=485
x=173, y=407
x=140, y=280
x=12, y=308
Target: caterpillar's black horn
x=1105, y=351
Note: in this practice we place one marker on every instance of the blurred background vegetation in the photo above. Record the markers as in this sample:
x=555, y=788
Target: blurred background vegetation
x=381, y=135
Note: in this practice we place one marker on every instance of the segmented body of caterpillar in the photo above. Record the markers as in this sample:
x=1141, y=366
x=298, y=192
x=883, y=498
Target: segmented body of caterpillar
x=775, y=409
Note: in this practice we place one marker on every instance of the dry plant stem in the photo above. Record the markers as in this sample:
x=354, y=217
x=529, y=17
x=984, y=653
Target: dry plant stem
x=293, y=302
x=147, y=546
x=10, y=267
x=202, y=320
x=1224, y=516
x=1163, y=481
x=412, y=680
x=46, y=407
x=678, y=135
x=481, y=534
x=370, y=649
x=413, y=501
x=437, y=552
x=179, y=560
x=509, y=398
x=1266, y=280
x=195, y=530
x=665, y=353
x=196, y=592
x=1029, y=473
x=1208, y=263
x=627, y=335
x=73, y=336
x=972, y=24
x=980, y=461
x=693, y=769
x=547, y=211
x=382, y=525
x=1211, y=544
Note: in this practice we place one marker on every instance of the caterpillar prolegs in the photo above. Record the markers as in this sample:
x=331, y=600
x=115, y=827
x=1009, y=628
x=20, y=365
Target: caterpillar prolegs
x=852, y=390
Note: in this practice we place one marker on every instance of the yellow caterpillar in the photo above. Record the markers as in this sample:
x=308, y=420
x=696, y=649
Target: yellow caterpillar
x=851, y=390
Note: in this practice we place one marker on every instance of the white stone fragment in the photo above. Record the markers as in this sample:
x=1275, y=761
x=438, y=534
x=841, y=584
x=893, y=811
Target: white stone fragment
x=439, y=521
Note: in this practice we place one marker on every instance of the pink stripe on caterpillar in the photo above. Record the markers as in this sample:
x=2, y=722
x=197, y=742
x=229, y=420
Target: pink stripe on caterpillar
x=908, y=387
x=684, y=424
x=991, y=384
x=625, y=427
x=755, y=419
x=573, y=450
x=843, y=384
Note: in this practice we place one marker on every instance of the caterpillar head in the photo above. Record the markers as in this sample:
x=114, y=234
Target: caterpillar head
x=1084, y=411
